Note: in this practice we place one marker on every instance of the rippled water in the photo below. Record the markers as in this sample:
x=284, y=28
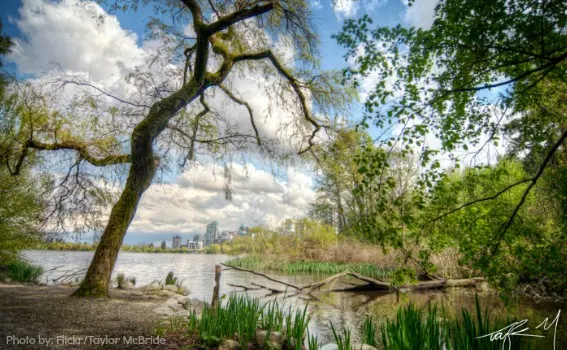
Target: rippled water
x=342, y=309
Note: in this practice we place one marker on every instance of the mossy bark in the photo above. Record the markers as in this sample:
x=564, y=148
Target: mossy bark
x=141, y=174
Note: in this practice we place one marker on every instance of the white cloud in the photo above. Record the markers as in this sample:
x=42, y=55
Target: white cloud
x=316, y=4
x=73, y=36
x=420, y=14
x=345, y=8
x=349, y=8
x=197, y=198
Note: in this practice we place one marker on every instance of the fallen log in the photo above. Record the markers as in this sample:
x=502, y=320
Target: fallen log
x=271, y=289
x=246, y=288
x=263, y=275
x=371, y=283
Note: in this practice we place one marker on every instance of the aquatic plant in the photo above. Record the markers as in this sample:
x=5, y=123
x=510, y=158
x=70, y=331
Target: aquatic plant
x=22, y=271
x=368, y=331
x=170, y=279
x=343, y=340
x=425, y=328
x=312, y=342
x=296, y=327
x=310, y=267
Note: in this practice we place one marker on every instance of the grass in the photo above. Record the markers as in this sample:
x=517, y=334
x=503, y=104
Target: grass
x=427, y=329
x=368, y=332
x=342, y=339
x=121, y=281
x=22, y=271
x=412, y=328
x=241, y=316
x=310, y=267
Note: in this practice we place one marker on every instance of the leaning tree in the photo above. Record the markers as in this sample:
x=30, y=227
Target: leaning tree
x=166, y=115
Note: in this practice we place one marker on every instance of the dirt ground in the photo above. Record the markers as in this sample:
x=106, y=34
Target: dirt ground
x=50, y=314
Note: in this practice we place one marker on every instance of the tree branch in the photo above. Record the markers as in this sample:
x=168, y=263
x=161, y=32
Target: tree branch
x=534, y=180
x=295, y=84
x=81, y=148
x=243, y=103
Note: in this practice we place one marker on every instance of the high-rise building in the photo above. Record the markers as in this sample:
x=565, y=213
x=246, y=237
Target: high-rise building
x=176, y=242
x=212, y=233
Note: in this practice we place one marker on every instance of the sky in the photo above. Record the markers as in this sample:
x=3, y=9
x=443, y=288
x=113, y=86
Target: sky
x=53, y=35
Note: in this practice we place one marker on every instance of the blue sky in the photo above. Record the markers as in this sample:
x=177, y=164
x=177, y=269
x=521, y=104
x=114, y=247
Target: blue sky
x=60, y=33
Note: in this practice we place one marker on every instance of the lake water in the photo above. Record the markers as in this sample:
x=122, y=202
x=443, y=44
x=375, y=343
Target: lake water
x=342, y=309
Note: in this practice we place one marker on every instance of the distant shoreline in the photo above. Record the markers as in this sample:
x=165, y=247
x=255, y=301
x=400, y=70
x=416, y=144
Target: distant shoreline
x=80, y=247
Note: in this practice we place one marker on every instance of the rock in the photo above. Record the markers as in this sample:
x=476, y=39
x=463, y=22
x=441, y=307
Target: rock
x=164, y=311
x=275, y=337
x=170, y=288
x=153, y=286
x=362, y=347
x=127, y=285
x=195, y=304
x=229, y=344
x=171, y=301
x=177, y=307
x=482, y=287
x=185, y=291
x=7, y=280
x=261, y=337
x=181, y=299
x=330, y=346
x=182, y=313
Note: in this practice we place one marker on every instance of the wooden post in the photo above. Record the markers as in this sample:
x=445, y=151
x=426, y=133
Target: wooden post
x=215, y=301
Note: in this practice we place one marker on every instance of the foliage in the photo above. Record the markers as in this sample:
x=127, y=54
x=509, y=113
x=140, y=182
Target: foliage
x=438, y=84
x=241, y=316
x=313, y=238
x=424, y=328
x=371, y=203
x=21, y=271
x=536, y=246
x=170, y=279
x=213, y=249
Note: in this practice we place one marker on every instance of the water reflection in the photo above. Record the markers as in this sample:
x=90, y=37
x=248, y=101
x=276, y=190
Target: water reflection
x=342, y=309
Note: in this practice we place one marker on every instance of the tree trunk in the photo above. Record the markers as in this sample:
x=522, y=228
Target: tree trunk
x=140, y=176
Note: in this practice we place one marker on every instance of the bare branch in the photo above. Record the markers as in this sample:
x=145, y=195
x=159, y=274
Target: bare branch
x=243, y=103
x=295, y=84
x=81, y=148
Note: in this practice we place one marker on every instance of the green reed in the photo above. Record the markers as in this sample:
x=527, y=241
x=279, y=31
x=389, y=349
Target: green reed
x=22, y=271
x=310, y=267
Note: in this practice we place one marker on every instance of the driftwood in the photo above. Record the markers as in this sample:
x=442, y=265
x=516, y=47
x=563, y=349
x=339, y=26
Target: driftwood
x=370, y=285
x=263, y=275
x=246, y=288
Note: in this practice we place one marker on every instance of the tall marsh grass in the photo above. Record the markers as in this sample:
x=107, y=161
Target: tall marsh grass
x=310, y=267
